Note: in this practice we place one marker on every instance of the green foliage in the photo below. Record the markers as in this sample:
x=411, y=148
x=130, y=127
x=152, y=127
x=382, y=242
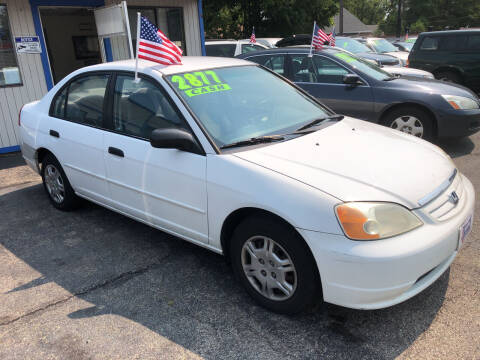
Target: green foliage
x=417, y=27
x=271, y=18
x=368, y=11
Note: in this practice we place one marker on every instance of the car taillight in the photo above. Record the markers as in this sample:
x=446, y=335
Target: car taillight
x=408, y=63
x=19, y=114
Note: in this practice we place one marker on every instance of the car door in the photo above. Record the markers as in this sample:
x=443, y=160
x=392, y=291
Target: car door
x=323, y=78
x=163, y=187
x=75, y=133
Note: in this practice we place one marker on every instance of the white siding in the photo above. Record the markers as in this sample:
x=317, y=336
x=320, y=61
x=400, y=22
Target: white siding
x=31, y=70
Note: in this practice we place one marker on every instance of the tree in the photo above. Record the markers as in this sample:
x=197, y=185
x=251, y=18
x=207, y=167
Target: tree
x=271, y=18
x=368, y=11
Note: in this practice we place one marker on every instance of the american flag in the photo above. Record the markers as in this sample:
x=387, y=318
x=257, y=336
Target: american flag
x=332, y=37
x=155, y=46
x=319, y=37
x=252, y=37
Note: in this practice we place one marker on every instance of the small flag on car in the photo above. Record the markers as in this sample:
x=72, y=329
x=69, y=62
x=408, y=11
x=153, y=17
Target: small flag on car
x=153, y=45
x=319, y=37
x=332, y=37
x=253, y=40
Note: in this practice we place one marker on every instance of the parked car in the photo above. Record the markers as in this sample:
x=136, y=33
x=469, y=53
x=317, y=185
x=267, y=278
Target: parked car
x=425, y=108
x=230, y=156
x=450, y=55
x=231, y=48
x=403, y=45
x=382, y=46
x=363, y=51
x=269, y=42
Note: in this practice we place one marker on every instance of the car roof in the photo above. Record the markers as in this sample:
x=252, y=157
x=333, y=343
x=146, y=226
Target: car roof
x=189, y=63
x=213, y=42
x=450, y=32
x=302, y=49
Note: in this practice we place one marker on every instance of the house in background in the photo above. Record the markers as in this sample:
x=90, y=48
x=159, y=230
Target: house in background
x=42, y=41
x=351, y=25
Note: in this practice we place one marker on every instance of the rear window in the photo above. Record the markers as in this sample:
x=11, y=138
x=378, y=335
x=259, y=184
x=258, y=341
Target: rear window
x=222, y=50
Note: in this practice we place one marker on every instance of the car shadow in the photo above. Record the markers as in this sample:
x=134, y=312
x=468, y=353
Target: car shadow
x=457, y=147
x=11, y=160
x=188, y=294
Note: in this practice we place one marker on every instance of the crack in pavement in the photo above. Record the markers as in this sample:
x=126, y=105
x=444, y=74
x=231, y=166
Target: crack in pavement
x=123, y=277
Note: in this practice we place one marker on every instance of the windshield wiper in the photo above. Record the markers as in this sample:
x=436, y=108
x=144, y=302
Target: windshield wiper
x=254, y=140
x=318, y=121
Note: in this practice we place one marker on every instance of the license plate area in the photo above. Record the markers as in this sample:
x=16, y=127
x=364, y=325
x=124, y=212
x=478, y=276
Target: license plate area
x=465, y=229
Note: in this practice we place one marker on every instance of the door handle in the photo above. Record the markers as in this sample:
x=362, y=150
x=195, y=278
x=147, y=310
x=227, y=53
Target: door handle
x=54, y=133
x=115, y=151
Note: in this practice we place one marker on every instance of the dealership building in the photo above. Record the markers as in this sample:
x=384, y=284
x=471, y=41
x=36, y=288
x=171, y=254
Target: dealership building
x=42, y=41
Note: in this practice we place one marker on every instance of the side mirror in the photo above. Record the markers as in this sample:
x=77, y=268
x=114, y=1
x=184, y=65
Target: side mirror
x=351, y=79
x=174, y=139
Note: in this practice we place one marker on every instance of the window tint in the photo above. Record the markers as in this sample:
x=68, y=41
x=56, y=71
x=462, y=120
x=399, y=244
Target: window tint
x=328, y=71
x=474, y=42
x=246, y=48
x=58, y=109
x=452, y=43
x=85, y=100
x=139, y=108
x=302, y=69
x=275, y=63
x=224, y=50
x=429, y=43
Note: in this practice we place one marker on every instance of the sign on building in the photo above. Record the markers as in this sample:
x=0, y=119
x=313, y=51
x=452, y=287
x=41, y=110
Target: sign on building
x=28, y=44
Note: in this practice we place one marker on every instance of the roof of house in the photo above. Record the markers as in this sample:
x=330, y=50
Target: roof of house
x=351, y=24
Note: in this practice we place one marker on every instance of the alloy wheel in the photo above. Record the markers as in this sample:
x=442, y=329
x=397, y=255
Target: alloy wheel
x=54, y=183
x=269, y=268
x=409, y=125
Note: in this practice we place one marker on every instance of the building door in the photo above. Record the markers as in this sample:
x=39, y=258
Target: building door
x=71, y=39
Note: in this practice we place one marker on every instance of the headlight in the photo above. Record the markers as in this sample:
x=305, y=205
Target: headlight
x=460, y=102
x=375, y=220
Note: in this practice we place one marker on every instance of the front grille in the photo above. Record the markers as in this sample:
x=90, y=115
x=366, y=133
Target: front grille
x=444, y=206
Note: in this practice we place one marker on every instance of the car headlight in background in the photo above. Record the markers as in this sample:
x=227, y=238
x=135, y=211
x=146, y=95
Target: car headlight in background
x=461, y=102
x=375, y=220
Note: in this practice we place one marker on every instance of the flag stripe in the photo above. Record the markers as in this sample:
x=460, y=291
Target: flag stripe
x=156, y=53
x=154, y=60
x=146, y=44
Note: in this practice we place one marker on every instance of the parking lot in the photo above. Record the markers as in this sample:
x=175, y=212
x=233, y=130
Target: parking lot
x=93, y=284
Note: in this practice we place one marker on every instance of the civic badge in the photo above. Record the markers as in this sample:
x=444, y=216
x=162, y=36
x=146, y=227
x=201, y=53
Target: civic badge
x=453, y=197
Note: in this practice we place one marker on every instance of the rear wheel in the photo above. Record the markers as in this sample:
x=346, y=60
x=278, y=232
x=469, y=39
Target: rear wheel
x=57, y=186
x=274, y=265
x=448, y=76
x=411, y=120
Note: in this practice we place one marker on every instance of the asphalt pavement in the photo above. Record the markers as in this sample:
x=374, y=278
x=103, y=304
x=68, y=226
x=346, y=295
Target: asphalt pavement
x=93, y=284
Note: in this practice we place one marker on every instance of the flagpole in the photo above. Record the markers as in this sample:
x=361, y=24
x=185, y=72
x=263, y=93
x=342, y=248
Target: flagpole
x=311, y=44
x=138, y=41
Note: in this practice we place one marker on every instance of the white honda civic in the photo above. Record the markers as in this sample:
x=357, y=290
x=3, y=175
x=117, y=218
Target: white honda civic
x=308, y=205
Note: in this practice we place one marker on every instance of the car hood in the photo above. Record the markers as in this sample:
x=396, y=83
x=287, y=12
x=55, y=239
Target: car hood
x=398, y=54
x=354, y=160
x=404, y=71
x=377, y=57
x=432, y=86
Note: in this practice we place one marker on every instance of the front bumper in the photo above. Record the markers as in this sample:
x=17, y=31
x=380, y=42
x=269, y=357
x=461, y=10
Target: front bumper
x=458, y=123
x=382, y=273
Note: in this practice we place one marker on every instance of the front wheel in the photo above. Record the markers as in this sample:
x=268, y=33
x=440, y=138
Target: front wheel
x=411, y=120
x=274, y=265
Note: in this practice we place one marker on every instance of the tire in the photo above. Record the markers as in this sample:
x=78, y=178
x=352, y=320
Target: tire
x=409, y=120
x=302, y=285
x=57, y=186
x=448, y=76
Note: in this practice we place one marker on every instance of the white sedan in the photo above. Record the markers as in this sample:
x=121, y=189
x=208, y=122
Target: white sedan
x=229, y=156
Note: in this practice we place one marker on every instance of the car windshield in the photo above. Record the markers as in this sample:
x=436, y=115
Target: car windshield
x=362, y=66
x=242, y=102
x=382, y=45
x=406, y=45
x=352, y=45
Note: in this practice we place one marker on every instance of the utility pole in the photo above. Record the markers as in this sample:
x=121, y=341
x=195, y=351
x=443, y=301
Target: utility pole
x=399, y=19
x=340, y=26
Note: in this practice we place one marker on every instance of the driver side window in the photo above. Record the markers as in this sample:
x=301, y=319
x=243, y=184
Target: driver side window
x=139, y=108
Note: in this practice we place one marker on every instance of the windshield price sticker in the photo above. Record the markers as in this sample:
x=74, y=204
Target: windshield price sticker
x=345, y=57
x=199, y=82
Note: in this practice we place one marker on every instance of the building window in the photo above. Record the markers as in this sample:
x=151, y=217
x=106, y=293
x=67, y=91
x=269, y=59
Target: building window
x=167, y=19
x=9, y=71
